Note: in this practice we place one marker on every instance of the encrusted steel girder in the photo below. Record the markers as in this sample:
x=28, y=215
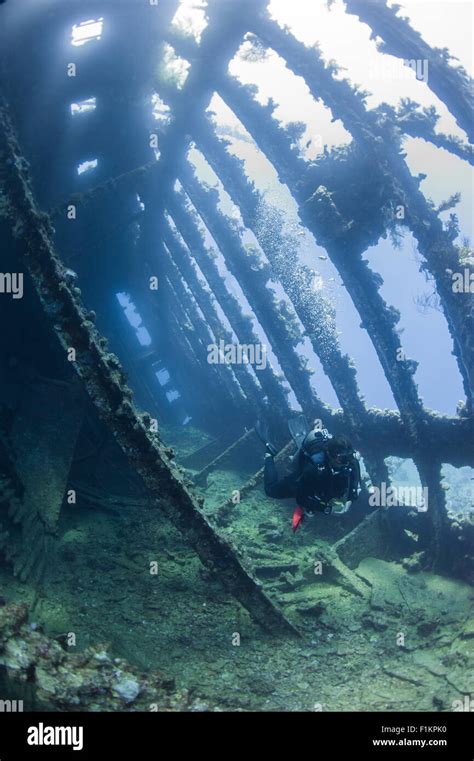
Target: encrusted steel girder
x=381, y=144
x=186, y=358
x=103, y=380
x=241, y=324
x=180, y=270
x=413, y=120
x=220, y=40
x=253, y=275
x=444, y=429
x=315, y=312
x=322, y=217
x=451, y=84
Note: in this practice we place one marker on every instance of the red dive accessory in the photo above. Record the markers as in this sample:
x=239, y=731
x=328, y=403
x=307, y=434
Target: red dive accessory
x=297, y=518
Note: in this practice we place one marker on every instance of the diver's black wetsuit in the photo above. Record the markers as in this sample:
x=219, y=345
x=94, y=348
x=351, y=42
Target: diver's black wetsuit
x=312, y=487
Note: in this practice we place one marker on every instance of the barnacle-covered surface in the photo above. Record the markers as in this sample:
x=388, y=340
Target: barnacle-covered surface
x=108, y=490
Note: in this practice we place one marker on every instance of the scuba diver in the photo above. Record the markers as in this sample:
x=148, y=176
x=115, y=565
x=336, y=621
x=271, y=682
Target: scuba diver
x=325, y=475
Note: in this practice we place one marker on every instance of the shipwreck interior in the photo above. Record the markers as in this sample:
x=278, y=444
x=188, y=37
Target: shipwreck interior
x=141, y=563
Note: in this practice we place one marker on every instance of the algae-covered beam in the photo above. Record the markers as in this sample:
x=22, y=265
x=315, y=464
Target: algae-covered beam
x=253, y=275
x=245, y=393
x=189, y=367
x=104, y=382
x=314, y=310
x=329, y=227
x=131, y=180
x=380, y=143
x=219, y=42
x=188, y=345
x=447, y=439
x=443, y=260
x=413, y=120
x=240, y=323
x=434, y=536
x=201, y=477
x=223, y=512
x=179, y=269
x=450, y=83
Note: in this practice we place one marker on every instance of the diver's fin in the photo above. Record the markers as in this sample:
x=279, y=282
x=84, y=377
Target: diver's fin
x=298, y=428
x=261, y=429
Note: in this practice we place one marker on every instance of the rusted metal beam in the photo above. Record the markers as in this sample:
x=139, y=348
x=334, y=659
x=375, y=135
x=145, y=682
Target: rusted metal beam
x=200, y=478
x=240, y=323
x=223, y=512
x=253, y=274
x=103, y=380
x=380, y=144
x=450, y=84
x=201, y=330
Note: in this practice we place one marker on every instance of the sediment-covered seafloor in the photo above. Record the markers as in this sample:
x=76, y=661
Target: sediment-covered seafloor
x=142, y=566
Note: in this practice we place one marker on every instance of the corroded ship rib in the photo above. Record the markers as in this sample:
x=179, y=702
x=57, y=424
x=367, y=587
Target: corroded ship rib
x=450, y=84
x=106, y=386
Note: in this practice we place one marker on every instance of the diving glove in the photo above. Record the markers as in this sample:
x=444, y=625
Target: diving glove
x=339, y=507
